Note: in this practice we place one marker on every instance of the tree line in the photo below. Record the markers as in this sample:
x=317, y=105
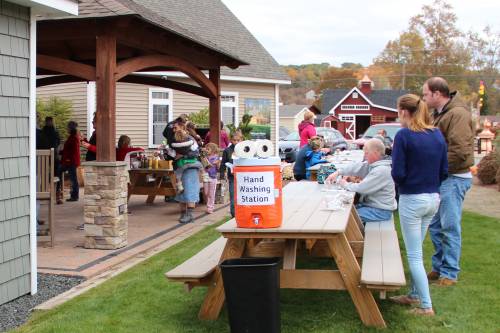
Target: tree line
x=431, y=45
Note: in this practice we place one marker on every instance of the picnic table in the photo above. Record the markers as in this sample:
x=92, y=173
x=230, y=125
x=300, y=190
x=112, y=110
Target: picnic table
x=151, y=182
x=310, y=229
x=341, y=158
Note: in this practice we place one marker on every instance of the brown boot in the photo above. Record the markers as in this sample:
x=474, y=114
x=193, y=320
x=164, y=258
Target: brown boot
x=445, y=282
x=59, y=197
x=432, y=276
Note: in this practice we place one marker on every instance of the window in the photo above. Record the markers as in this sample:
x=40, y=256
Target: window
x=327, y=123
x=259, y=109
x=160, y=113
x=347, y=107
x=354, y=95
x=229, y=108
x=346, y=118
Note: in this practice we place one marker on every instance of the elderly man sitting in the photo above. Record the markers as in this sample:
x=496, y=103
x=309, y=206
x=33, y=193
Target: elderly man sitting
x=376, y=189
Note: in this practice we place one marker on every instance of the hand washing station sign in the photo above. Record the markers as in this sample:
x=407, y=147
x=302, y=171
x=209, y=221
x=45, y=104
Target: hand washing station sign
x=255, y=188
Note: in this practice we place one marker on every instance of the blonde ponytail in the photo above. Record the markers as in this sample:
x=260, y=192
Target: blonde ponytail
x=420, y=119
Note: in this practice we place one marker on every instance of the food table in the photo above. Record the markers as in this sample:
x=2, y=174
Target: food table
x=151, y=182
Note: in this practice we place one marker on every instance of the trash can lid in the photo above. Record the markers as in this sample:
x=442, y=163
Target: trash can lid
x=254, y=161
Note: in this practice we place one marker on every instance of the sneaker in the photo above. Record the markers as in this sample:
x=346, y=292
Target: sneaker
x=209, y=211
x=422, y=312
x=404, y=300
x=80, y=227
x=432, y=276
x=445, y=282
x=180, y=188
x=186, y=218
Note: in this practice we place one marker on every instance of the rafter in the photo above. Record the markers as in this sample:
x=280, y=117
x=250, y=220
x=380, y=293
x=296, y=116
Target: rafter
x=143, y=62
x=65, y=66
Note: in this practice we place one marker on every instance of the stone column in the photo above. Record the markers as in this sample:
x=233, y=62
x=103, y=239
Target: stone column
x=105, y=205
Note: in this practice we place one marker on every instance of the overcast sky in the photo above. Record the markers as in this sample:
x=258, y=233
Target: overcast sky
x=337, y=31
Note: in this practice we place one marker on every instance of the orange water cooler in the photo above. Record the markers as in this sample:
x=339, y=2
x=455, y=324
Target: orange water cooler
x=258, y=192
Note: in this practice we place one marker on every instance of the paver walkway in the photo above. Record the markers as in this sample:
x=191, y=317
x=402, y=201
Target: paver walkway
x=483, y=199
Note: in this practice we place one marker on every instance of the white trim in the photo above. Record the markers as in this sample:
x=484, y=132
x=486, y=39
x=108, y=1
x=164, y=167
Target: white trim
x=32, y=157
x=234, y=104
x=355, y=89
x=276, y=111
x=156, y=101
x=49, y=7
x=354, y=107
x=353, y=122
x=91, y=107
x=223, y=77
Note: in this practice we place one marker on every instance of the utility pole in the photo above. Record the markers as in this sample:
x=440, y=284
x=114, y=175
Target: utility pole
x=403, y=76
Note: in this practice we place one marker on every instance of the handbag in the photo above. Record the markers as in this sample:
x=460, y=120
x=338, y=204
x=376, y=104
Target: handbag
x=324, y=171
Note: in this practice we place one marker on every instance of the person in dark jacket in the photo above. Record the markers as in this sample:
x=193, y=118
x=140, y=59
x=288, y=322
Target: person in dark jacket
x=71, y=159
x=227, y=157
x=52, y=141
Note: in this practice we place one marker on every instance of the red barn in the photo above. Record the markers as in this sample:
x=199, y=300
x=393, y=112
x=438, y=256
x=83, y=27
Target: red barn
x=353, y=111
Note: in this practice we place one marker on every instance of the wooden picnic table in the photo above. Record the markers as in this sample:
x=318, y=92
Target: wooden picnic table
x=151, y=182
x=305, y=219
x=343, y=158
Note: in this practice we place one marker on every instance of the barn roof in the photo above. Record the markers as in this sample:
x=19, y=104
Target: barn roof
x=385, y=98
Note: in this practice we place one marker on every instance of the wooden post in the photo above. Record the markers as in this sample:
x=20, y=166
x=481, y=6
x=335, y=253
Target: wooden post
x=215, y=111
x=106, y=98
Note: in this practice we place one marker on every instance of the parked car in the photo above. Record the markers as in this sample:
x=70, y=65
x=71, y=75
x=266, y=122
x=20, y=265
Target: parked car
x=289, y=146
x=390, y=128
x=283, y=132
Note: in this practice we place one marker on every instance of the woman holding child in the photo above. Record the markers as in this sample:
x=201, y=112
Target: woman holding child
x=420, y=164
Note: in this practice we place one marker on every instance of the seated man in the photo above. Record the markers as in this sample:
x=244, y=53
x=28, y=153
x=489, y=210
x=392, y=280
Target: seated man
x=376, y=189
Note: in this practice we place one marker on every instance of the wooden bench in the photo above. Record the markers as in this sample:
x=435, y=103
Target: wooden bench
x=382, y=267
x=196, y=271
x=46, y=184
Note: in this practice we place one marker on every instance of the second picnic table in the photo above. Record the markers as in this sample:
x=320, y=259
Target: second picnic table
x=151, y=182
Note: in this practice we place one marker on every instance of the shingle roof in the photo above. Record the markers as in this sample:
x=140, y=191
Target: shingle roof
x=291, y=110
x=213, y=21
x=207, y=22
x=386, y=98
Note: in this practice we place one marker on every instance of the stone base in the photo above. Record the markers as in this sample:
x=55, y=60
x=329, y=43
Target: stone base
x=105, y=205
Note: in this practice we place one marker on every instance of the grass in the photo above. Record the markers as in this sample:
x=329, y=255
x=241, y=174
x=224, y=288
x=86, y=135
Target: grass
x=142, y=300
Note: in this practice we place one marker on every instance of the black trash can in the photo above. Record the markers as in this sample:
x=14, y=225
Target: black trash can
x=252, y=287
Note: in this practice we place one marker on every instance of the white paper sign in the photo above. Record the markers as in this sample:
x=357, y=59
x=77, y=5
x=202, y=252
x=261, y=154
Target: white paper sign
x=255, y=188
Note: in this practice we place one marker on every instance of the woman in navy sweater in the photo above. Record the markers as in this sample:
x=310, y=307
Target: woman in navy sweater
x=419, y=165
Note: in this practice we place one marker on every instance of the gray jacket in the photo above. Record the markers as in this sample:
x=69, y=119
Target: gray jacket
x=377, y=187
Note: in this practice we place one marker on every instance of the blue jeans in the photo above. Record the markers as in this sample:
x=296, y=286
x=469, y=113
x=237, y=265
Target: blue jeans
x=230, y=183
x=75, y=188
x=415, y=214
x=372, y=214
x=445, y=228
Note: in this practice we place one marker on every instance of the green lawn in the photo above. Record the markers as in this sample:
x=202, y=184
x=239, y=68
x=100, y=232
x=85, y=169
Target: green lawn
x=142, y=300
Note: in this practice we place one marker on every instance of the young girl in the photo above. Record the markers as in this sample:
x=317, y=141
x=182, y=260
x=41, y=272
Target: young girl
x=212, y=170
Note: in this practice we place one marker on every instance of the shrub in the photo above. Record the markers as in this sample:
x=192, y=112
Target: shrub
x=487, y=169
x=59, y=109
x=201, y=118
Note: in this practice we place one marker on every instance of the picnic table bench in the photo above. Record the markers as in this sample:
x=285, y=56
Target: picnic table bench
x=307, y=229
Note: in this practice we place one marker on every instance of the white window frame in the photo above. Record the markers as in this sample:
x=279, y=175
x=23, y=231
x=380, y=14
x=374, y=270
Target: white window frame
x=234, y=105
x=355, y=95
x=158, y=101
x=350, y=107
x=327, y=123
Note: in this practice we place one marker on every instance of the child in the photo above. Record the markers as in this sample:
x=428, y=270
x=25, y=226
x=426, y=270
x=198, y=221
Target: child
x=210, y=186
x=186, y=153
x=314, y=156
x=227, y=157
x=124, y=147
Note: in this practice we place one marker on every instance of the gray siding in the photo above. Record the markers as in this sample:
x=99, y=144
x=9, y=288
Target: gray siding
x=14, y=152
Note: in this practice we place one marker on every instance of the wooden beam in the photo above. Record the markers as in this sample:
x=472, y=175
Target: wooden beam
x=58, y=79
x=214, y=107
x=136, y=79
x=155, y=81
x=106, y=98
x=290, y=255
x=144, y=62
x=66, y=66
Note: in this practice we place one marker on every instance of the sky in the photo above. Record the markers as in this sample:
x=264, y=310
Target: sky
x=334, y=31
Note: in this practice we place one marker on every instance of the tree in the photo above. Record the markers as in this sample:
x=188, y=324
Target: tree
x=57, y=108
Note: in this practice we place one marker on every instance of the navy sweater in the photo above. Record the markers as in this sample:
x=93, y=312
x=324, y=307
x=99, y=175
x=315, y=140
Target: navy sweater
x=419, y=161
